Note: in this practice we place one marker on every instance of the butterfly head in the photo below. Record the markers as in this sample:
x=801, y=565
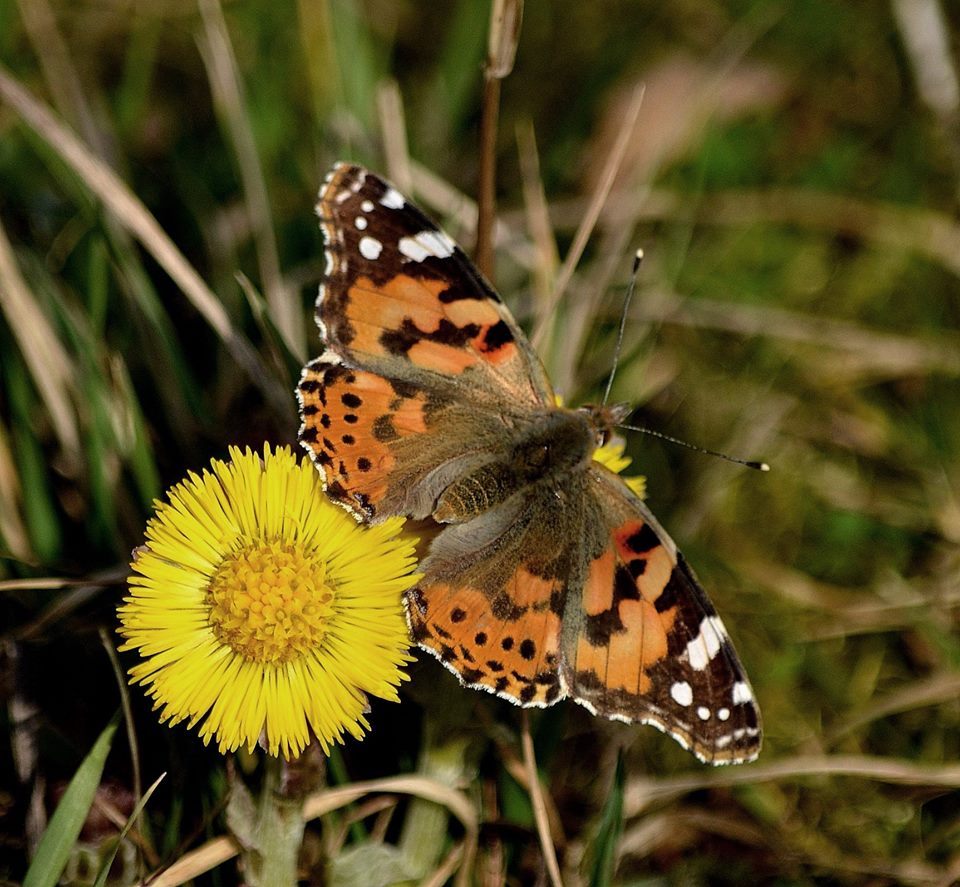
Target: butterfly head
x=604, y=418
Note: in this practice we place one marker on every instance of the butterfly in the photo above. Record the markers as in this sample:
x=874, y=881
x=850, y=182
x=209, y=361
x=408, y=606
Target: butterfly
x=549, y=578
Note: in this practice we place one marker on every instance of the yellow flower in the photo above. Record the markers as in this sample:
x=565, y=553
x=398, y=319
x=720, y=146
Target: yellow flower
x=264, y=611
x=611, y=456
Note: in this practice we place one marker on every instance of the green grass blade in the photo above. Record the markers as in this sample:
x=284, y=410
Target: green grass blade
x=603, y=855
x=108, y=862
x=68, y=819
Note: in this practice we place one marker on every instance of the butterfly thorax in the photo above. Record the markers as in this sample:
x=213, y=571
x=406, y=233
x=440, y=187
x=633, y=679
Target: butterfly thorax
x=547, y=451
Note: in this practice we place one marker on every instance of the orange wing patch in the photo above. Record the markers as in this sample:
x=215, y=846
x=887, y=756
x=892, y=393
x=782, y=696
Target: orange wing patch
x=626, y=626
x=507, y=643
x=408, y=317
x=624, y=634
x=350, y=417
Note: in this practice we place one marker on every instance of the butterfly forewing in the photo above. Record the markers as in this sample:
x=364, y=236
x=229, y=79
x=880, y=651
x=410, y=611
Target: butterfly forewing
x=401, y=298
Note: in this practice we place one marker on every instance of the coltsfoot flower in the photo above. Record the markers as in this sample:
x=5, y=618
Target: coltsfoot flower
x=262, y=611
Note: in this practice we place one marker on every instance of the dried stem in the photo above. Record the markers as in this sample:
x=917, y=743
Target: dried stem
x=537, y=801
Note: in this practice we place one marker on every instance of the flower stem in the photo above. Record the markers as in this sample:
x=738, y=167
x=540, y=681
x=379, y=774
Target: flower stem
x=278, y=834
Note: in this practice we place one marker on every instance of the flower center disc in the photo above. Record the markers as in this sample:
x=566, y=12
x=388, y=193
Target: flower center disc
x=270, y=602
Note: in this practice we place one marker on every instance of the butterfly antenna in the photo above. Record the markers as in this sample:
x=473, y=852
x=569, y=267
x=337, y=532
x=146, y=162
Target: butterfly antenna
x=637, y=259
x=758, y=466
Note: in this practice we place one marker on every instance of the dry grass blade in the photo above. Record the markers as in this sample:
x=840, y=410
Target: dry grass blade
x=53, y=372
x=445, y=200
x=62, y=605
x=135, y=217
x=925, y=232
x=193, y=864
x=315, y=32
x=228, y=95
x=505, y=19
x=886, y=354
x=16, y=540
x=427, y=789
x=23, y=716
x=678, y=833
x=846, y=612
x=222, y=849
x=927, y=39
x=451, y=863
x=393, y=126
x=137, y=784
x=641, y=793
x=537, y=802
x=538, y=216
x=935, y=690
x=589, y=220
x=60, y=73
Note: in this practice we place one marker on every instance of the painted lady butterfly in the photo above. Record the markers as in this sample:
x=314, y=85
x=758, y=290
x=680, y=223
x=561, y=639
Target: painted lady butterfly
x=548, y=578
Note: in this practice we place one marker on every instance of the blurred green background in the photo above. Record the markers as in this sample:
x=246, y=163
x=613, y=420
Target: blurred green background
x=793, y=177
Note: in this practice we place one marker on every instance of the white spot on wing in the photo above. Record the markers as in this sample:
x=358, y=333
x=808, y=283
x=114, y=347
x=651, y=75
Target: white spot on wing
x=741, y=693
x=367, y=206
x=723, y=713
x=736, y=736
x=412, y=249
x=370, y=248
x=681, y=693
x=392, y=199
x=361, y=223
x=703, y=713
x=443, y=244
x=427, y=243
x=707, y=643
x=436, y=243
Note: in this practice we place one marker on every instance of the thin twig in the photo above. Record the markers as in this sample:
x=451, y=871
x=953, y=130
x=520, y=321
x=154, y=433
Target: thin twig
x=505, y=17
x=486, y=181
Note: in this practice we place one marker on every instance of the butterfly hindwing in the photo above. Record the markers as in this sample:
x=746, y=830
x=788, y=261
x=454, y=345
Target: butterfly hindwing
x=649, y=646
